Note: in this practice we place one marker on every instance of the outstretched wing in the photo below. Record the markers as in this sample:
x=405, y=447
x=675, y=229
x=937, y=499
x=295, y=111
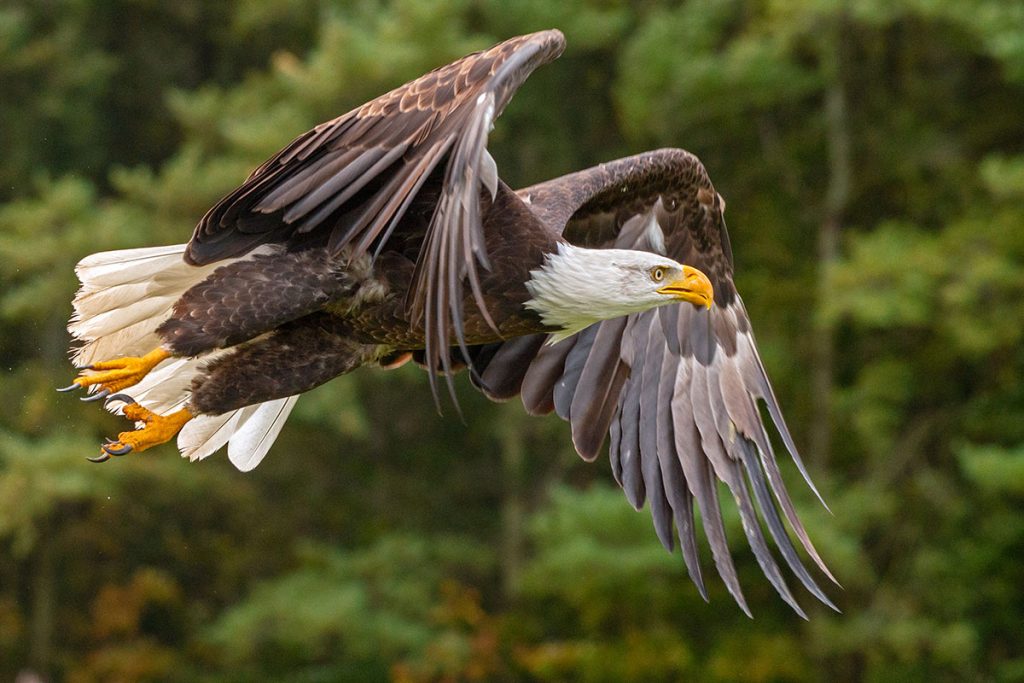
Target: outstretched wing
x=675, y=388
x=349, y=182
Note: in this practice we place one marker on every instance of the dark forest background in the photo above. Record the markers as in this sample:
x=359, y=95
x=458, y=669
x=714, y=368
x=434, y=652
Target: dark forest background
x=872, y=156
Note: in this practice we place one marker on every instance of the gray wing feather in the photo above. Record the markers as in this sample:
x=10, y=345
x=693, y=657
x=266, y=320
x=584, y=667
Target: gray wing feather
x=543, y=375
x=650, y=380
x=702, y=482
x=594, y=397
x=714, y=435
x=676, y=490
x=687, y=415
x=575, y=360
x=629, y=464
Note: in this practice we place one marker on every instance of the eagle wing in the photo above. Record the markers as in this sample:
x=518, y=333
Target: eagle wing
x=675, y=388
x=351, y=180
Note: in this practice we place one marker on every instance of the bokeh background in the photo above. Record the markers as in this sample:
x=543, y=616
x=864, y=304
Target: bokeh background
x=872, y=156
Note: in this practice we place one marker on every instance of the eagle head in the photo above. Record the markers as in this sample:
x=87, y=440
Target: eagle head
x=576, y=287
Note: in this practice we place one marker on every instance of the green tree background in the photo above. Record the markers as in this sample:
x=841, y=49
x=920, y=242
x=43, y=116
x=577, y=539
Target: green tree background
x=872, y=154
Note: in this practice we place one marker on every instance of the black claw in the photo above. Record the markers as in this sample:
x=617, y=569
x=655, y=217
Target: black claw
x=102, y=393
x=70, y=387
x=103, y=457
x=123, y=398
x=123, y=450
x=107, y=439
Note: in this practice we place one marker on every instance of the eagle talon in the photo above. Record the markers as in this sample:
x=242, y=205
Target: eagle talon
x=118, y=374
x=70, y=387
x=125, y=449
x=102, y=393
x=103, y=457
x=123, y=398
x=152, y=429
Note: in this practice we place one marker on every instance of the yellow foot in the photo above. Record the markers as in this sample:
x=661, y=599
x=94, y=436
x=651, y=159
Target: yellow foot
x=155, y=429
x=114, y=375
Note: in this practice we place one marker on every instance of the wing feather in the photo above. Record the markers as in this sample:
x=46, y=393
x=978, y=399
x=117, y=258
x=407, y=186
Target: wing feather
x=501, y=374
x=594, y=397
x=307, y=179
x=747, y=451
x=687, y=412
x=350, y=181
x=702, y=482
x=575, y=360
x=543, y=375
x=629, y=465
x=649, y=381
x=715, y=432
x=679, y=496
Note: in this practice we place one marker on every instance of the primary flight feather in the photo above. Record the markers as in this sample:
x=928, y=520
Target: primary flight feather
x=386, y=234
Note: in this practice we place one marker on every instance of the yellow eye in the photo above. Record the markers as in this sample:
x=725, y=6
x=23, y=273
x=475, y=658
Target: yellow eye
x=658, y=274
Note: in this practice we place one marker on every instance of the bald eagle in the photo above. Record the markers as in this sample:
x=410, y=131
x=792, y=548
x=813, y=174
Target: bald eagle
x=386, y=234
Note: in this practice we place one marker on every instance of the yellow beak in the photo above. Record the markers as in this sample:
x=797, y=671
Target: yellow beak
x=693, y=287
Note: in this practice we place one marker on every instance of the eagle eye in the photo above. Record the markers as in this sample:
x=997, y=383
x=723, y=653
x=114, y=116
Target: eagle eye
x=658, y=274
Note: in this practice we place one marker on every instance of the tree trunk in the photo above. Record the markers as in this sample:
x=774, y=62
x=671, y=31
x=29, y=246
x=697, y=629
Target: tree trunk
x=836, y=200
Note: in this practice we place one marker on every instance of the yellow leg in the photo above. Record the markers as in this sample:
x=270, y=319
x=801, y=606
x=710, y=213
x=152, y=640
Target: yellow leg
x=114, y=375
x=157, y=429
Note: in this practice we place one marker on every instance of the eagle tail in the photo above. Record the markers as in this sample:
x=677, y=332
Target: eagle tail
x=124, y=297
x=248, y=432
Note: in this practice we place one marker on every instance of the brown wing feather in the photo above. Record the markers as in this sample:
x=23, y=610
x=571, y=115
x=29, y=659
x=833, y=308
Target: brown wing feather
x=348, y=182
x=685, y=416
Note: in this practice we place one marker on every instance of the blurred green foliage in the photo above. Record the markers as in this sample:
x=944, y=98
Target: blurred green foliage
x=381, y=541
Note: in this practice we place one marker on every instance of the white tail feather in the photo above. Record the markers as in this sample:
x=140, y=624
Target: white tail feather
x=95, y=302
x=125, y=295
x=248, y=432
x=166, y=387
x=134, y=340
x=109, y=268
x=257, y=434
x=116, y=319
x=203, y=435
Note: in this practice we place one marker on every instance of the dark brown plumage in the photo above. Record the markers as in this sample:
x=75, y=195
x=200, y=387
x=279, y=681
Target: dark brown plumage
x=351, y=180
x=387, y=232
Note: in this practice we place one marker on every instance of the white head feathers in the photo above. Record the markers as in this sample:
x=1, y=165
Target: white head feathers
x=577, y=287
